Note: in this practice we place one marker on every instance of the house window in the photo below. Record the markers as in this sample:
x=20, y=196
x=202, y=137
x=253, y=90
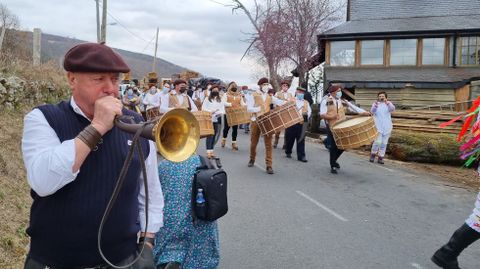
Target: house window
x=342, y=53
x=433, y=51
x=469, y=47
x=372, y=52
x=403, y=52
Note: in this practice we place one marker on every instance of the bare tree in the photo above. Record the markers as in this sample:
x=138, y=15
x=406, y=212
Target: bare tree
x=268, y=39
x=306, y=19
x=7, y=20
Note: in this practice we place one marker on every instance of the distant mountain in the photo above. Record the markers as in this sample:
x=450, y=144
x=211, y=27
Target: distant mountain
x=54, y=48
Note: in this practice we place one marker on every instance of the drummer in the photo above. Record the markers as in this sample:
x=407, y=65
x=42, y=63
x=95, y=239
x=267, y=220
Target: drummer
x=177, y=98
x=257, y=104
x=233, y=98
x=283, y=94
x=332, y=111
x=213, y=104
x=152, y=103
x=297, y=131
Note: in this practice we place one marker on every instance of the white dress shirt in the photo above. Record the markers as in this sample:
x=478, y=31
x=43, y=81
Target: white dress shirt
x=300, y=104
x=151, y=100
x=165, y=102
x=216, y=108
x=350, y=106
x=250, y=100
x=49, y=165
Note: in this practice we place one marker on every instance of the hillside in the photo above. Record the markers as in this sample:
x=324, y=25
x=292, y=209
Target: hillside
x=54, y=48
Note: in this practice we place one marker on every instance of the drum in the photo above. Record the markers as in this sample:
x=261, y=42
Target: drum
x=153, y=113
x=279, y=118
x=237, y=115
x=204, y=119
x=355, y=132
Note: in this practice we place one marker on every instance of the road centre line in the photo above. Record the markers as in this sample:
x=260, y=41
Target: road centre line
x=417, y=266
x=262, y=168
x=388, y=169
x=331, y=212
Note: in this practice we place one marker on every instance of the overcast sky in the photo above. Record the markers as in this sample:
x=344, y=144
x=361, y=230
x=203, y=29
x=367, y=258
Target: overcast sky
x=198, y=34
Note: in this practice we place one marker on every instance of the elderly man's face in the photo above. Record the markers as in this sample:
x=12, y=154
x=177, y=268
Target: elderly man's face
x=88, y=87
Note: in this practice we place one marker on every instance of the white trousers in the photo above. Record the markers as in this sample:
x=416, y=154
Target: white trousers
x=474, y=220
x=379, y=146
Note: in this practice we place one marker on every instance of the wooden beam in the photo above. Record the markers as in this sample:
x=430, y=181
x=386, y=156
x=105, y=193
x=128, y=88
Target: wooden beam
x=386, y=55
x=419, y=51
x=357, y=53
x=446, y=60
x=349, y=93
x=327, y=53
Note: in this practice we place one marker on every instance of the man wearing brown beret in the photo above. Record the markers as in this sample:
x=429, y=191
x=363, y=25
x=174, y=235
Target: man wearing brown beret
x=333, y=111
x=178, y=98
x=73, y=155
x=258, y=104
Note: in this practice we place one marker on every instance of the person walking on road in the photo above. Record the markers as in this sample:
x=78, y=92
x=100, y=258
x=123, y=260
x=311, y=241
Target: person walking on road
x=233, y=98
x=382, y=114
x=297, y=131
x=213, y=104
x=333, y=111
x=258, y=104
x=283, y=94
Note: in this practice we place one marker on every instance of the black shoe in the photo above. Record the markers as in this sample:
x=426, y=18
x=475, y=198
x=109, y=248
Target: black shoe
x=251, y=163
x=336, y=165
x=289, y=155
x=333, y=170
x=274, y=146
x=269, y=170
x=446, y=256
x=380, y=160
x=303, y=160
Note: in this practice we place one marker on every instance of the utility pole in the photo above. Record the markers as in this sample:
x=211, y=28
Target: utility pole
x=98, y=21
x=155, y=57
x=104, y=22
x=37, y=46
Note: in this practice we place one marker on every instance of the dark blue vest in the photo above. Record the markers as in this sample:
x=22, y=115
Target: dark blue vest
x=64, y=226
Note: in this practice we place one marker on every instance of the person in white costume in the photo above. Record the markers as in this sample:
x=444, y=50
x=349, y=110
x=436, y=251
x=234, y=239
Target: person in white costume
x=382, y=114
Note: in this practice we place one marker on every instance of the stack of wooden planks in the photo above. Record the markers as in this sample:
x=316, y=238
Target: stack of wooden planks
x=427, y=121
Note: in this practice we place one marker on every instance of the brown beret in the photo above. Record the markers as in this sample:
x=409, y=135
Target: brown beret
x=262, y=81
x=285, y=82
x=244, y=87
x=94, y=57
x=301, y=89
x=179, y=81
x=333, y=88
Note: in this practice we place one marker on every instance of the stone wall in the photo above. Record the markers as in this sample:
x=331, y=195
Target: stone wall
x=16, y=91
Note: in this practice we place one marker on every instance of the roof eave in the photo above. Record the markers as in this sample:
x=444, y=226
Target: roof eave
x=399, y=34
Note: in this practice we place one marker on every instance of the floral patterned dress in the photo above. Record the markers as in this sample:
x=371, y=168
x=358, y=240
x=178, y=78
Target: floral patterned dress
x=193, y=245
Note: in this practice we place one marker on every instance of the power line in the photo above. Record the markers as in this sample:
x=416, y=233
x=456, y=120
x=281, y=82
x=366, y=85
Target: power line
x=128, y=30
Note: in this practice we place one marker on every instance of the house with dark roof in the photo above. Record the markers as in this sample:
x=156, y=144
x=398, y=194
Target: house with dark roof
x=422, y=53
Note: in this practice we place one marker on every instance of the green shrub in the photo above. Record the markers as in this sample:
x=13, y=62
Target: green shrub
x=424, y=147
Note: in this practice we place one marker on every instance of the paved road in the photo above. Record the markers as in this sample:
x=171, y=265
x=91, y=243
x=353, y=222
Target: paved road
x=367, y=216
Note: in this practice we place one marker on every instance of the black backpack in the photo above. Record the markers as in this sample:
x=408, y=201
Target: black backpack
x=211, y=182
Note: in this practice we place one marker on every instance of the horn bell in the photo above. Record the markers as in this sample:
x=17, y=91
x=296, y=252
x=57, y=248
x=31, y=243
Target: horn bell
x=177, y=135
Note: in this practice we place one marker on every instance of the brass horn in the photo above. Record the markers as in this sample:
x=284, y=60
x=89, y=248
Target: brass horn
x=176, y=133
